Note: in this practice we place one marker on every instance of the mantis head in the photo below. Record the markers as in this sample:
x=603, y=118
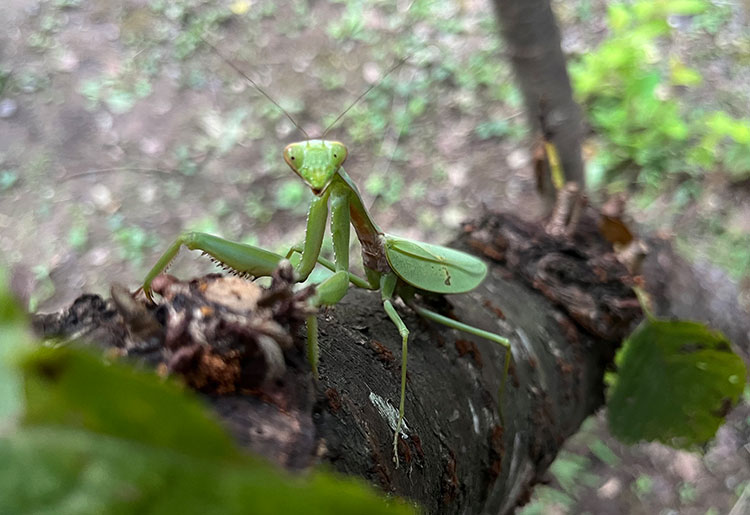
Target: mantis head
x=316, y=161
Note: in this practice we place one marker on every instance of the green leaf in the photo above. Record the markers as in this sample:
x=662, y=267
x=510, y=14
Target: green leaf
x=720, y=123
x=65, y=471
x=74, y=388
x=675, y=383
x=103, y=438
x=8, y=178
x=687, y=7
x=683, y=75
x=120, y=101
x=568, y=469
x=737, y=161
x=14, y=337
x=619, y=17
x=290, y=194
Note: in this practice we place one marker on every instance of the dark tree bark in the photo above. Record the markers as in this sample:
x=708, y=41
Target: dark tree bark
x=564, y=303
x=533, y=45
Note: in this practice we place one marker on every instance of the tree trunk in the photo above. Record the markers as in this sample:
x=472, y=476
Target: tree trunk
x=533, y=40
x=565, y=304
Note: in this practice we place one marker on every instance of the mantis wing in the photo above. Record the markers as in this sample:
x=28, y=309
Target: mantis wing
x=433, y=267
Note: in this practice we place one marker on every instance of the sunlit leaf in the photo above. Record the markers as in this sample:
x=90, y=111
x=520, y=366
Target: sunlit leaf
x=683, y=75
x=619, y=17
x=240, y=7
x=687, y=7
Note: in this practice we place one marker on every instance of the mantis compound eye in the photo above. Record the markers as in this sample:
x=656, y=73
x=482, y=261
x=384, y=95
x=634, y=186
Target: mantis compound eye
x=338, y=153
x=294, y=156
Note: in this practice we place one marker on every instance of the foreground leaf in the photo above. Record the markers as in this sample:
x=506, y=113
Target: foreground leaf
x=105, y=439
x=14, y=338
x=675, y=383
x=74, y=472
x=74, y=388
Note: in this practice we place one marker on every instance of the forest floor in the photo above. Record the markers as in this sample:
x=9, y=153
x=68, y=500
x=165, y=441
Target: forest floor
x=119, y=128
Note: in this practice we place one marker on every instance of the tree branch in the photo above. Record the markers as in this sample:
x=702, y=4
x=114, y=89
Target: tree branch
x=564, y=304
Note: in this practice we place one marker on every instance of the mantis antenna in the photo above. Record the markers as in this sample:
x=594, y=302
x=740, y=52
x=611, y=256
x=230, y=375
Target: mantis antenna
x=392, y=143
x=363, y=95
x=255, y=84
x=274, y=102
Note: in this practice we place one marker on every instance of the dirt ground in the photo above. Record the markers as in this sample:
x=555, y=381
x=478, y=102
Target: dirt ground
x=120, y=127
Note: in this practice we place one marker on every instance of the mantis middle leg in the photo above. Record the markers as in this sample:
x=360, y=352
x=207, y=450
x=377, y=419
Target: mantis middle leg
x=388, y=284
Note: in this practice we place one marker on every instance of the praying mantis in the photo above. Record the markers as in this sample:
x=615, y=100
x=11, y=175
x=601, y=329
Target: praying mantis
x=397, y=267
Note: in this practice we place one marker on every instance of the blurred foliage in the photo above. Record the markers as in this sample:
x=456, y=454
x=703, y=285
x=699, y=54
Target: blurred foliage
x=101, y=438
x=675, y=383
x=14, y=338
x=8, y=179
x=633, y=90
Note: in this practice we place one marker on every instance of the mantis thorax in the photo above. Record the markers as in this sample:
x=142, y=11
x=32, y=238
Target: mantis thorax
x=316, y=161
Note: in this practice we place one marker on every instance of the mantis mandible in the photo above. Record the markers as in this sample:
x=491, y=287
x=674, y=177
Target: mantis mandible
x=396, y=266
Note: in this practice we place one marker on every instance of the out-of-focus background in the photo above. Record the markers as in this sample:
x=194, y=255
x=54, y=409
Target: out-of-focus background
x=119, y=128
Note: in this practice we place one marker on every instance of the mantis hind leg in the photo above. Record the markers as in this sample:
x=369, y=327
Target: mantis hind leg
x=387, y=287
x=239, y=257
x=493, y=337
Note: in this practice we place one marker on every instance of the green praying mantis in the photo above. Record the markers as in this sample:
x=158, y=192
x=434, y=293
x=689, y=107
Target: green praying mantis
x=396, y=266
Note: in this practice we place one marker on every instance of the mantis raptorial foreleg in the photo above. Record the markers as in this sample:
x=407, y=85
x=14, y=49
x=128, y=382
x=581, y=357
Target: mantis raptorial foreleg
x=247, y=259
x=316, y=227
x=240, y=257
x=333, y=289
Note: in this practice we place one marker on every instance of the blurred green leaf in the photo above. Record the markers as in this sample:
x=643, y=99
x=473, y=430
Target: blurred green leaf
x=75, y=389
x=568, y=469
x=72, y=472
x=493, y=129
x=101, y=438
x=643, y=485
x=78, y=235
x=120, y=101
x=618, y=17
x=675, y=383
x=683, y=75
x=290, y=194
x=600, y=449
x=8, y=178
x=14, y=337
x=645, y=127
x=687, y=7
x=738, y=161
x=133, y=241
